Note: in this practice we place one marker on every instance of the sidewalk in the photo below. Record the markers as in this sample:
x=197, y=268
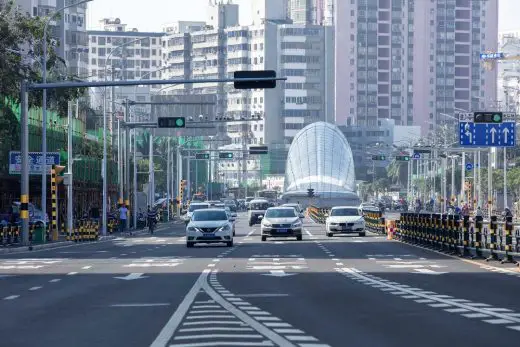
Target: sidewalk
x=62, y=242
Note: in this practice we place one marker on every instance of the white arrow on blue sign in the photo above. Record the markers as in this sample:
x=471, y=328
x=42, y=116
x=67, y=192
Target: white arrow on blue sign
x=469, y=166
x=416, y=156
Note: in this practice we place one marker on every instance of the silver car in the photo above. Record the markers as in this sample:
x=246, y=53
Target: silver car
x=209, y=226
x=281, y=222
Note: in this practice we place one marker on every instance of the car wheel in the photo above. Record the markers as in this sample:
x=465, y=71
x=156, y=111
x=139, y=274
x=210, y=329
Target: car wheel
x=264, y=238
x=229, y=244
x=362, y=234
x=189, y=244
x=299, y=238
x=250, y=224
x=330, y=234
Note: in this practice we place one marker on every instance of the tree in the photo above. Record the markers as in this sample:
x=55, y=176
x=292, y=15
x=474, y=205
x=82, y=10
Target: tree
x=21, y=51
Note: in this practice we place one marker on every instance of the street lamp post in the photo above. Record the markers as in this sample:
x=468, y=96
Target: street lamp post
x=104, y=164
x=44, y=105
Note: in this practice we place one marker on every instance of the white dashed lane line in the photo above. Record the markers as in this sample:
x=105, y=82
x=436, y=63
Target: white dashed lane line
x=11, y=297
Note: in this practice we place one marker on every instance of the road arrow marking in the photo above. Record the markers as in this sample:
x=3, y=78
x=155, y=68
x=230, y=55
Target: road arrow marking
x=278, y=273
x=428, y=272
x=493, y=131
x=132, y=276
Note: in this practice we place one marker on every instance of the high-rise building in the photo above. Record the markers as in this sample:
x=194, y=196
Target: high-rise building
x=412, y=61
x=508, y=71
x=69, y=28
x=307, y=11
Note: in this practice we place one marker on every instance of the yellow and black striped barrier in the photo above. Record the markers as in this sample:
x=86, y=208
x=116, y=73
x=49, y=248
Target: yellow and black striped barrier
x=374, y=221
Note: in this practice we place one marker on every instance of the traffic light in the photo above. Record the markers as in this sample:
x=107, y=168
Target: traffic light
x=268, y=84
x=225, y=155
x=171, y=122
x=258, y=150
x=310, y=193
x=58, y=171
x=487, y=117
x=402, y=158
x=204, y=156
x=379, y=157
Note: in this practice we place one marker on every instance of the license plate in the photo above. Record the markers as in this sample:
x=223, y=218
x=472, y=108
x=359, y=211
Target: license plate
x=282, y=230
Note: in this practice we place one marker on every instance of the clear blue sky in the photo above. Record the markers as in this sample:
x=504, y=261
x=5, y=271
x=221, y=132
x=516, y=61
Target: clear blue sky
x=150, y=15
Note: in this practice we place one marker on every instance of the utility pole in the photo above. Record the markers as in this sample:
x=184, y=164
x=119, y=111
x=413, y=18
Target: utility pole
x=127, y=158
x=70, y=160
x=505, y=177
x=490, y=183
x=453, y=191
x=168, y=178
x=151, y=190
x=24, y=186
x=444, y=182
x=179, y=177
x=474, y=202
x=134, y=150
x=462, y=177
x=479, y=178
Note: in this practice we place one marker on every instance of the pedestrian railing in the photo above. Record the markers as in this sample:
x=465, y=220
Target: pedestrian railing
x=462, y=235
x=318, y=215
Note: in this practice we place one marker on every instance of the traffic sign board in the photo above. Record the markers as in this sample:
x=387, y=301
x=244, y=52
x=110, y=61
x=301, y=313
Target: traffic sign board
x=416, y=156
x=487, y=135
x=35, y=162
x=469, y=166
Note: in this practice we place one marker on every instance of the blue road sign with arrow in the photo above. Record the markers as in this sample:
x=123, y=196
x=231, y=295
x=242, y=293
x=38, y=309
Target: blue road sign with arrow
x=416, y=156
x=469, y=166
x=487, y=134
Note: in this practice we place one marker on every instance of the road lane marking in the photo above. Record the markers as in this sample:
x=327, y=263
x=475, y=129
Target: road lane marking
x=55, y=280
x=72, y=273
x=35, y=288
x=11, y=297
x=474, y=310
x=218, y=336
x=188, y=330
x=86, y=267
x=141, y=305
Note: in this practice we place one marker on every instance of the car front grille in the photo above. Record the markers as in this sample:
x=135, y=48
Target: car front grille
x=208, y=230
x=281, y=225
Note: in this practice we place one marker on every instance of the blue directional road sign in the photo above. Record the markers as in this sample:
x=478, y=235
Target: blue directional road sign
x=469, y=166
x=35, y=162
x=416, y=156
x=487, y=134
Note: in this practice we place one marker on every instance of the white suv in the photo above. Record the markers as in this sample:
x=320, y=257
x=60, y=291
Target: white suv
x=345, y=220
x=209, y=226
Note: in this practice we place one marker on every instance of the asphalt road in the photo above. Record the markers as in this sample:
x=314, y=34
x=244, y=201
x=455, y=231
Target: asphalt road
x=339, y=291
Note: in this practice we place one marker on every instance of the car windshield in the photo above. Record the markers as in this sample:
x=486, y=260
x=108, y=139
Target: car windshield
x=281, y=213
x=344, y=212
x=209, y=215
x=198, y=207
x=259, y=206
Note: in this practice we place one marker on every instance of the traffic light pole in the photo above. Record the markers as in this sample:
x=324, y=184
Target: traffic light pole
x=179, y=177
x=127, y=160
x=70, y=223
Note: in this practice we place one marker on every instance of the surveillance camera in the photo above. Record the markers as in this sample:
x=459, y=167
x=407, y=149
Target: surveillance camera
x=191, y=118
x=201, y=117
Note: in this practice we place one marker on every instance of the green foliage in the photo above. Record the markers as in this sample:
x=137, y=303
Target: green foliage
x=21, y=51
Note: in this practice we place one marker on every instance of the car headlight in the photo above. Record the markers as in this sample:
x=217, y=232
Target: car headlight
x=267, y=224
x=191, y=229
x=297, y=224
x=224, y=228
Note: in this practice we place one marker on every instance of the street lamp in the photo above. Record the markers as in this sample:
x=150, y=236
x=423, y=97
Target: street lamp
x=104, y=164
x=44, y=105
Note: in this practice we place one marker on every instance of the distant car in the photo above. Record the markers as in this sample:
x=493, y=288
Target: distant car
x=345, y=220
x=232, y=216
x=231, y=204
x=281, y=222
x=297, y=207
x=213, y=202
x=257, y=208
x=194, y=206
x=209, y=226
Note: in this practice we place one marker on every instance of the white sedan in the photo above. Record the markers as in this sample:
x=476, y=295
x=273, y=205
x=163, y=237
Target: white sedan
x=209, y=226
x=345, y=220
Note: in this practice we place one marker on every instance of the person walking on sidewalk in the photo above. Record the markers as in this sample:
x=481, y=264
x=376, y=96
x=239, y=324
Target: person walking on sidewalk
x=123, y=214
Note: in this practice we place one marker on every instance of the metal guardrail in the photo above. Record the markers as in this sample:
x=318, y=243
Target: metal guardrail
x=462, y=235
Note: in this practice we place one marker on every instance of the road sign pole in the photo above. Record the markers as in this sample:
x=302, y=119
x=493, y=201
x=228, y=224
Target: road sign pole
x=24, y=196
x=179, y=174
x=479, y=178
x=490, y=183
x=505, y=177
x=444, y=181
x=462, y=177
x=473, y=202
x=70, y=159
x=453, y=191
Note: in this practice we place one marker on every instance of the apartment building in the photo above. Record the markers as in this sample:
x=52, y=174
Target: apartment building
x=508, y=71
x=412, y=61
x=69, y=29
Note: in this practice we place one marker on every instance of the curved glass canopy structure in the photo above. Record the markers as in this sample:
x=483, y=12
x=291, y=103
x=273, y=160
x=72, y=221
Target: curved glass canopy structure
x=320, y=158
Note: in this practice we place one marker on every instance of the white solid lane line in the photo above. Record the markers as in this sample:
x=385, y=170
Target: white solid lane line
x=86, y=267
x=35, y=288
x=189, y=330
x=141, y=305
x=11, y=297
x=218, y=336
x=55, y=280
